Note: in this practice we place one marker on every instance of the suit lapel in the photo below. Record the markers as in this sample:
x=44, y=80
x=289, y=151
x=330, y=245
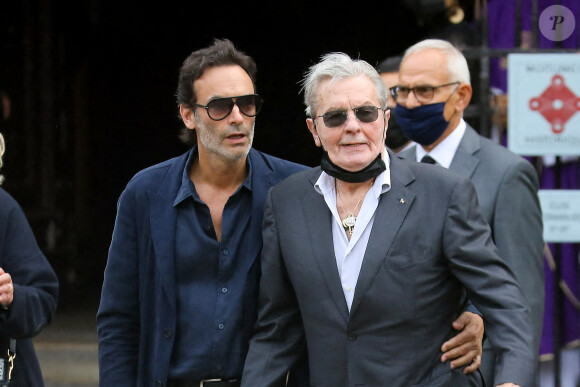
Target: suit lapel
x=163, y=236
x=163, y=217
x=464, y=162
x=389, y=216
x=319, y=228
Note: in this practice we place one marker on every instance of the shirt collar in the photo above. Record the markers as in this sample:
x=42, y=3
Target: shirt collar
x=325, y=183
x=187, y=189
x=444, y=152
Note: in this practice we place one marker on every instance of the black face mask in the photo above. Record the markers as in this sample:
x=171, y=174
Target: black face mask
x=375, y=168
x=396, y=138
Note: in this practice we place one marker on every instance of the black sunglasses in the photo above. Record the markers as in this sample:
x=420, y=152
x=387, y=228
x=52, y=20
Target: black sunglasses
x=335, y=118
x=220, y=108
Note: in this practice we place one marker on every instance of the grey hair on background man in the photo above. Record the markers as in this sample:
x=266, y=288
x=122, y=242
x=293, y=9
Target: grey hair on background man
x=338, y=66
x=2, y=149
x=456, y=62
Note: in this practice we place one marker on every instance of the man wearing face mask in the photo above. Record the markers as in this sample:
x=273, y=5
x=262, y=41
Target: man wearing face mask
x=433, y=91
x=396, y=140
x=468, y=322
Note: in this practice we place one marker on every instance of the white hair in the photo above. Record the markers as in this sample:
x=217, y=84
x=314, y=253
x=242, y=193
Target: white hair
x=338, y=66
x=456, y=62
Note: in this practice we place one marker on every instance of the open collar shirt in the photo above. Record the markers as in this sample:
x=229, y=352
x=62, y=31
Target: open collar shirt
x=210, y=286
x=349, y=254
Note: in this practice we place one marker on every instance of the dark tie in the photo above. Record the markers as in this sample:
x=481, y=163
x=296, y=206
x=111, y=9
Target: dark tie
x=427, y=159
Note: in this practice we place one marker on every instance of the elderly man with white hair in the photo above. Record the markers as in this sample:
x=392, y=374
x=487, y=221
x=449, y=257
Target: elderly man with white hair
x=433, y=91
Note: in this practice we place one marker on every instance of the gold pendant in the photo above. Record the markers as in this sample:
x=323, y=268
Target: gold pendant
x=348, y=223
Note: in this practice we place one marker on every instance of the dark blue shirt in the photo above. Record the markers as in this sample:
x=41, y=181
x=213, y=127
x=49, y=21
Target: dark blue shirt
x=210, y=287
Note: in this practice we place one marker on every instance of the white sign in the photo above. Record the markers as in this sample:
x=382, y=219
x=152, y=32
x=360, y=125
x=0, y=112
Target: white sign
x=561, y=214
x=544, y=104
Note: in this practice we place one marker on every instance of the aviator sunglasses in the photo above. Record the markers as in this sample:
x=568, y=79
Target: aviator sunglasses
x=336, y=118
x=220, y=108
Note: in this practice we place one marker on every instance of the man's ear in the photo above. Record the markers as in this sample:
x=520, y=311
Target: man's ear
x=464, y=92
x=312, y=128
x=188, y=116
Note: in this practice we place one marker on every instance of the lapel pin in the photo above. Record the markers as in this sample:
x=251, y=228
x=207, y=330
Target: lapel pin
x=402, y=201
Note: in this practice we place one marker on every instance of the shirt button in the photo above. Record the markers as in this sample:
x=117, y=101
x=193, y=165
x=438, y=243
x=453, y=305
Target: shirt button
x=351, y=336
x=221, y=326
x=226, y=252
x=167, y=333
x=224, y=290
x=218, y=367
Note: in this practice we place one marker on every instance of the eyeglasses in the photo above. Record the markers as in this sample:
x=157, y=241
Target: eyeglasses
x=220, y=108
x=336, y=118
x=423, y=94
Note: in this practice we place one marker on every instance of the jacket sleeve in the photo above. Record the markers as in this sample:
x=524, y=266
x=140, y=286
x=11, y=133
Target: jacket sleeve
x=518, y=235
x=35, y=282
x=118, y=323
x=278, y=339
x=491, y=286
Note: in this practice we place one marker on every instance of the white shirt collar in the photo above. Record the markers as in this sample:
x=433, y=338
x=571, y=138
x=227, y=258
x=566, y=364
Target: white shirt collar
x=444, y=152
x=349, y=254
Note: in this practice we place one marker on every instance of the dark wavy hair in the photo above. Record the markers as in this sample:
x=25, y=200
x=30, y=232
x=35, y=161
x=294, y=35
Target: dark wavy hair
x=221, y=53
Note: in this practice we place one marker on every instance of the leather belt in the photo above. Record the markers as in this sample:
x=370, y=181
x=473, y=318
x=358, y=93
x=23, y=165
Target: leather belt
x=205, y=383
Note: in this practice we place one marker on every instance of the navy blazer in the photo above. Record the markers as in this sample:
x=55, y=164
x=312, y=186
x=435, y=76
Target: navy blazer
x=35, y=290
x=137, y=314
x=429, y=244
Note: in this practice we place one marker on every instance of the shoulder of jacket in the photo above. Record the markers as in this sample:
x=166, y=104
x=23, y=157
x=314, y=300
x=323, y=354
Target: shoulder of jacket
x=154, y=173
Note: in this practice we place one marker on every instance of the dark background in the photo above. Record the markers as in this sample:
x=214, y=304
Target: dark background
x=91, y=86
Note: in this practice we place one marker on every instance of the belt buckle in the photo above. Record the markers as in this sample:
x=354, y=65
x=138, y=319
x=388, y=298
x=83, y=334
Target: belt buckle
x=203, y=382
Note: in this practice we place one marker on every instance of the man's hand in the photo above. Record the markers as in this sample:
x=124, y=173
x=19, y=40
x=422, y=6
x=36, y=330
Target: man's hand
x=466, y=346
x=6, y=289
x=508, y=385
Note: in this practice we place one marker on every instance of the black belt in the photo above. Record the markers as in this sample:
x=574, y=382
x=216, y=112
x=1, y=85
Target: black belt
x=205, y=383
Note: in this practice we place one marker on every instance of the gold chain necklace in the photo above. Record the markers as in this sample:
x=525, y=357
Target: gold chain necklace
x=350, y=220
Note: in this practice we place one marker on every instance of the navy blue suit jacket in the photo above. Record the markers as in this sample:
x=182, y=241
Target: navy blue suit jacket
x=35, y=290
x=136, y=320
